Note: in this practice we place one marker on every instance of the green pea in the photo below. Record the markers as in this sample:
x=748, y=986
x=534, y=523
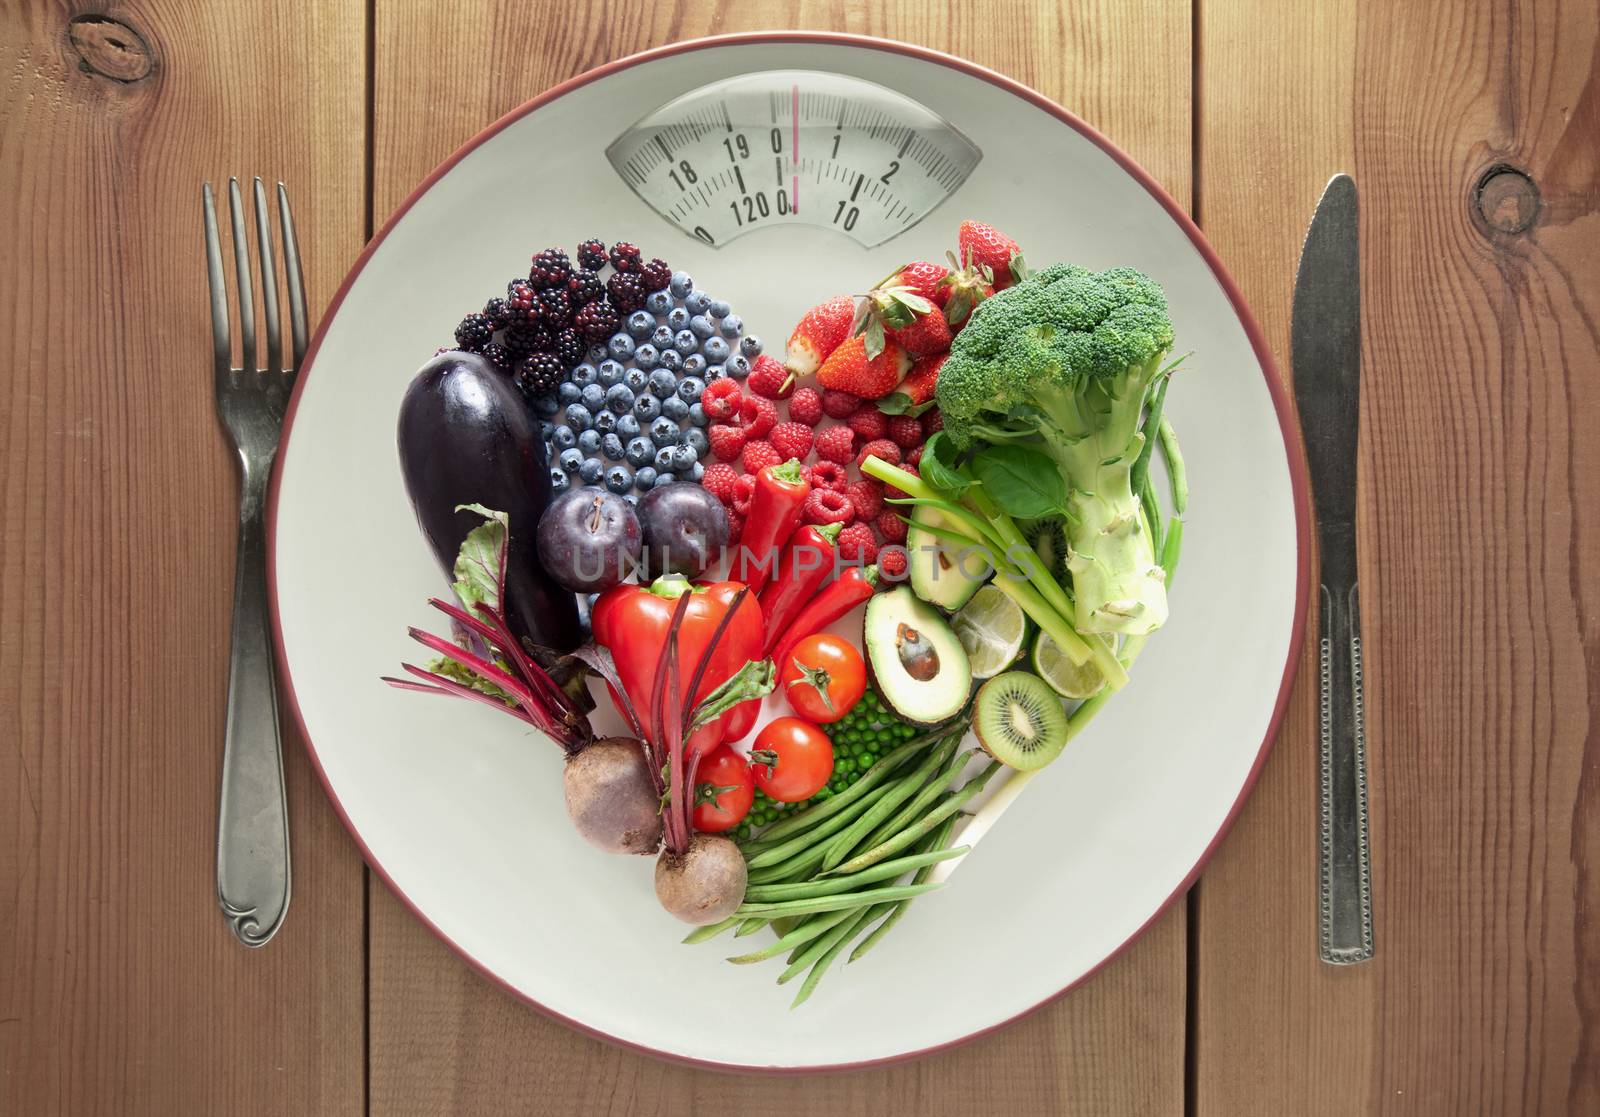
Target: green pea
x=868, y=759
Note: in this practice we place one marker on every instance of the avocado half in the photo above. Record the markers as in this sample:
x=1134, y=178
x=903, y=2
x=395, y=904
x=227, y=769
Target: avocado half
x=940, y=570
x=915, y=658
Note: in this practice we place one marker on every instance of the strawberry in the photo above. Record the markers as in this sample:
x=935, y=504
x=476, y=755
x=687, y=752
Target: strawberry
x=836, y=444
x=904, y=431
x=893, y=563
x=769, y=379
x=757, y=416
x=759, y=454
x=735, y=527
x=908, y=314
x=932, y=422
x=916, y=391
x=891, y=526
x=879, y=448
x=923, y=278
x=727, y=441
x=927, y=335
x=793, y=440
x=984, y=246
x=850, y=369
x=826, y=475
x=719, y=480
x=824, y=506
x=968, y=287
x=839, y=405
x=805, y=406
x=857, y=543
x=868, y=423
x=721, y=400
x=819, y=333
x=743, y=490
x=866, y=496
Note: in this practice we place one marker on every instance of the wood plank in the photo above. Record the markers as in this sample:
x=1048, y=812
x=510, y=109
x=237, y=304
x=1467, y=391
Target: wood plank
x=1479, y=569
x=121, y=990
x=444, y=1041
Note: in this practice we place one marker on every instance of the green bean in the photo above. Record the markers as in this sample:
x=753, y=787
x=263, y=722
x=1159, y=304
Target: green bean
x=916, y=831
x=707, y=933
x=869, y=779
x=935, y=845
x=885, y=870
x=804, y=933
x=750, y=926
x=800, y=865
x=821, y=946
x=804, y=840
x=1177, y=474
x=895, y=794
x=918, y=806
x=829, y=955
x=836, y=903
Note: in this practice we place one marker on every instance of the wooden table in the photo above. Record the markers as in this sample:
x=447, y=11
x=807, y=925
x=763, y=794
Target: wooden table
x=1474, y=131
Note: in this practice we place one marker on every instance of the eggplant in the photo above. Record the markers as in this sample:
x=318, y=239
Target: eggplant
x=467, y=437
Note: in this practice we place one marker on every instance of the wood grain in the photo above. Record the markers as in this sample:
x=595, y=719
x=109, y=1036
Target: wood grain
x=443, y=1040
x=1480, y=581
x=121, y=990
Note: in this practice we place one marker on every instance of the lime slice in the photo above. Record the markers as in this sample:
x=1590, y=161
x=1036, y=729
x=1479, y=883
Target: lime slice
x=1070, y=680
x=992, y=628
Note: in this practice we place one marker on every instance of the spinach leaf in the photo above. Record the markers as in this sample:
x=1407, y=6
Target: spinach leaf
x=1024, y=482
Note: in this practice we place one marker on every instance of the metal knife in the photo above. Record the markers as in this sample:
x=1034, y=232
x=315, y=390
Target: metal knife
x=1326, y=349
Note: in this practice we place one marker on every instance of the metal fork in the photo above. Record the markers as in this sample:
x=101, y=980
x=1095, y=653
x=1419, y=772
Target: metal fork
x=253, y=820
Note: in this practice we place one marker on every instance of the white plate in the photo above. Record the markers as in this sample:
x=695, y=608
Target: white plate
x=460, y=812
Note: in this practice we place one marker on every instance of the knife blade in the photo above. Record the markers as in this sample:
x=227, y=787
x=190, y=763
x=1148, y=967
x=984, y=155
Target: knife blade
x=1325, y=346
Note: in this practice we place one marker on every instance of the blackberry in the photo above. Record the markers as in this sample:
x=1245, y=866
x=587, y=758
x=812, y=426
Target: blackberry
x=625, y=256
x=655, y=275
x=499, y=356
x=474, y=332
x=539, y=375
x=569, y=348
x=592, y=254
x=522, y=303
x=585, y=286
x=551, y=268
x=626, y=291
x=555, y=305
x=597, y=321
x=497, y=312
x=522, y=340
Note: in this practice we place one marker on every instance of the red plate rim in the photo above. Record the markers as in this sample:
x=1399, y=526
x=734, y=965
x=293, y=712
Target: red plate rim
x=1287, y=423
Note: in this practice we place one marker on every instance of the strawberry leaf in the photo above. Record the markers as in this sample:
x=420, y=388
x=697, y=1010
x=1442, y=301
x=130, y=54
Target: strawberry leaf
x=875, y=337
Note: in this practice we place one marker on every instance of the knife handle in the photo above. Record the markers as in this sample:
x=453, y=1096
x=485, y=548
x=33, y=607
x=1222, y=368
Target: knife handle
x=1345, y=899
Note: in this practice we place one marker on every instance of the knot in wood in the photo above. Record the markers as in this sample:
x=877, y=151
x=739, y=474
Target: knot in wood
x=1506, y=199
x=110, y=48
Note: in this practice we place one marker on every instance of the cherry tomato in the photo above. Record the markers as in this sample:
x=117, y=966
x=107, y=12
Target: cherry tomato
x=792, y=760
x=723, y=791
x=824, y=678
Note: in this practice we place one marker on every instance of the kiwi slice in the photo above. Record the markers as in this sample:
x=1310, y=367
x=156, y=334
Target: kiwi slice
x=1048, y=538
x=1018, y=718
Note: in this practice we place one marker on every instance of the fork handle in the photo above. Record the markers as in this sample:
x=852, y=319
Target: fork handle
x=253, y=819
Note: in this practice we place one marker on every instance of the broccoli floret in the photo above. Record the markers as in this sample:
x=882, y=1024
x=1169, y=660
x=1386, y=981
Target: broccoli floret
x=1067, y=359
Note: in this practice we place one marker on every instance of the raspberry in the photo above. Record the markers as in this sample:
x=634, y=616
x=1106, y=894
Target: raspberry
x=769, y=379
x=856, y=543
x=891, y=526
x=869, y=423
x=805, y=406
x=866, y=496
x=727, y=441
x=824, y=506
x=891, y=491
x=880, y=448
x=743, y=490
x=914, y=456
x=757, y=416
x=826, y=475
x=893, y=563
x=719, y=480
x=655, y=275
x=792, y=440
x=839, y=405
x=836, y=444
x=905, y=431
x=759, y=454
x=931, y=421
x=735, y=527
x=721, y=400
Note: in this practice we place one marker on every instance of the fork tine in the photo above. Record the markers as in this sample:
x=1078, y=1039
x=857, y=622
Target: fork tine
x=221, y=340
x=296, y=282
x=241, y=264
x=269, y=281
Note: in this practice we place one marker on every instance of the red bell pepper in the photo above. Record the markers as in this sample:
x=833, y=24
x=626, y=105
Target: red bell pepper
x=775, y=508
x=853, y=586
x=806, y=564
x=631, y=622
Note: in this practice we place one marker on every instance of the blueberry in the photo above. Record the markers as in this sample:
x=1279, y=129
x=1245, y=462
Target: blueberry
x=671, y=360
x=589, y=442
x=583, y=375
x=661, y=337
x=664, y=459
x=559, y=482
x=690, y=387
x=715, y=349
x=632, y=499
x=678, y=318
x=680, y=284
x=697, y=302
x=675, y=409
x=619, y=478
x=640, y=323
x=683, y=458
x=662, y=383
x=696, y=438
x=546, y=429
x=591, y=471
x=697, y=414
x=549, y=452
x=663, y=479
x=605, y=421
x=645, y=357
x=597, y=353
x=627, y=425
x=715, y=372
x=564, y=437
x=738, y=367
x=657, y=303
x=548, y=406
x=578, y=417
x=685, y=342
x=732, y=326
x=664, y=432
x=644, y=477
x=619, y=397
x=568, y=392
x=611, y=448
x=694, y=364
x=594, y=397
x=719, y=308
x=636, y=378
x=750, y=346
x=697, y=473
x=620, y=346
x=701, y=326
x=611, y=372
x=646, y=408
x=570, y=459
x=639, y=451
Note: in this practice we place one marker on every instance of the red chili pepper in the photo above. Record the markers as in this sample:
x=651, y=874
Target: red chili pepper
x=775, y=509
x=806, y=564
x=850, y=589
